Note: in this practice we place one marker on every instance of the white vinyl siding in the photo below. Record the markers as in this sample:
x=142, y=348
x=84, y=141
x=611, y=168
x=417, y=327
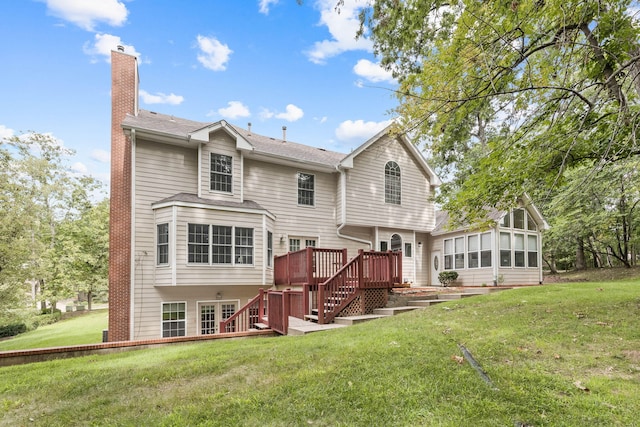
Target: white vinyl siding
x=365, y=187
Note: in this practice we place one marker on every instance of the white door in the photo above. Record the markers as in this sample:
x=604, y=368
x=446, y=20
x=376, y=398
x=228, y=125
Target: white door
x=436, y=267
x=212, y=313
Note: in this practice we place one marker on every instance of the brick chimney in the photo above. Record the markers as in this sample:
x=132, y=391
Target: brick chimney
x=124, y=96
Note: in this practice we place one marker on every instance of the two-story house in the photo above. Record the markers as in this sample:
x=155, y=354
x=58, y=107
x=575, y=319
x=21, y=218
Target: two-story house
x=199, y=210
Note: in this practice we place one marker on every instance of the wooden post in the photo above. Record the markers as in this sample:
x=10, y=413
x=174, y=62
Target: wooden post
x=261, y=306
x=309, y=262
x=321, y=303
x=360, y=267
x=286, y=310
x=305, y=298
x=344, y=256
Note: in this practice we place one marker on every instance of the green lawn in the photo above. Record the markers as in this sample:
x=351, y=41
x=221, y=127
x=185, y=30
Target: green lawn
x=558, y=355
x=82, y=329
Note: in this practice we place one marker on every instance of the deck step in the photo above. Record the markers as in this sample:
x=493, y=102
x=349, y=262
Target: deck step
x=425, y=302
x=392, y=311
x=261, y=326
x=353, y=320
x=312, y=317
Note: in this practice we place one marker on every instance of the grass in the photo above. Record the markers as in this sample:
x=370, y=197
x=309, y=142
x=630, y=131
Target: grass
x=558, y=355
x=82, y=329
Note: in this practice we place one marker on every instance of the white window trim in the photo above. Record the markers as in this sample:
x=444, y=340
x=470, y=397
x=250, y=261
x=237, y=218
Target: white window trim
x=169, y=246
x=186, y=316
x=211, y=153
x=315, y=182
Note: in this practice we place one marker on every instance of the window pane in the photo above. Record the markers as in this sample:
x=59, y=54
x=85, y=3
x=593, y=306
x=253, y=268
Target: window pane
x=306, y=188
x=448, y=246
x=384, y=246
x=309, y=243
x=506, y=220
x=505, y=241
x=485, y=259
x=459, y=261
x=519, y=258
x=198, y=251
x=505, y=258
x=448, y=262
x=518, y=241
x=392, y=183
x=518, y=219
x=221, y=172
x=472, y=243
x=294, y=245
x=532, y=243
x=473, y=260
x=269, y=248
x=459, y=244
x=407, y=250
x=396, y=243
x=531, y=225
x=485, y=241
x=532, y=259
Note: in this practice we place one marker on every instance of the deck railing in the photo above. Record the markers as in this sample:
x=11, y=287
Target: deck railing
x=368, y=270
x=281, y=305
x=247, y=316
x=310, y=266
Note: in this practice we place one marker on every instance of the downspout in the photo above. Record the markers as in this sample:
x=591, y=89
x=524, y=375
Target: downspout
x=343, y=210
x=496, y=253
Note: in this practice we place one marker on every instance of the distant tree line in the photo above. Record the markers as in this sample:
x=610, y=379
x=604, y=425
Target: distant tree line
x=53, y=236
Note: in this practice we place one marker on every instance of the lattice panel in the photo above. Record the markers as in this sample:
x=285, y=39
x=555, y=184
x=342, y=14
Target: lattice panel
x=374, y=298
x=354, y=308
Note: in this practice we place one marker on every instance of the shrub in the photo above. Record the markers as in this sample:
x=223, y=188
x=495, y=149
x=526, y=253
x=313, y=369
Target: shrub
x=12, y=329
x=446, y=277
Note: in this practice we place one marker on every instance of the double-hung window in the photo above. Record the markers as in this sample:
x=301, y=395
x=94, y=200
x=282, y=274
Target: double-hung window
x=448, y=254
x=162, y=254
x=306, y=189
x=244, y=245
x=221, y=245
x=532, y=251
x=173, y=319
x=198, y=250
x=485, y=250
x=505, y=249
x=221, y=173
x=518, y=250
x=459, y=254
x=269, y=249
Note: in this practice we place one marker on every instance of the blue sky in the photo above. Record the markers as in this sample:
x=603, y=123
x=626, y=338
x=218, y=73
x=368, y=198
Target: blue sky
x=273, y=63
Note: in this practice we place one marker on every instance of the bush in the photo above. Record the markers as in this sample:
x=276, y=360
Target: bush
x=12, y=329
x=446, y=277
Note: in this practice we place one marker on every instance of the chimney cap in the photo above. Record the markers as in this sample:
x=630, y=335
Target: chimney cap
x=120, y=48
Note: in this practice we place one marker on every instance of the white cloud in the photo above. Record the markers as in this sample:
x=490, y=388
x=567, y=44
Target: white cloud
x=359, y=130
x=103, y=45
x=234, y=110
x=87, y=13
x=321, y=120
x=80, y=168
x=265, y=4
x=102, y=156
x=160, y=98
x=6, y=132
x=292, y=113
x=372, y=72
x=214, y=55
x=343, y=27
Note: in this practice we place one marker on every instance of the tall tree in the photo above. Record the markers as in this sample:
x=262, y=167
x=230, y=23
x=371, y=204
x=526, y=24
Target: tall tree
x=510, y=94
x=44, y=192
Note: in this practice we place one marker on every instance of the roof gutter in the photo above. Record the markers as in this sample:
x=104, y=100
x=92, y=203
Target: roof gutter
x=343, y=210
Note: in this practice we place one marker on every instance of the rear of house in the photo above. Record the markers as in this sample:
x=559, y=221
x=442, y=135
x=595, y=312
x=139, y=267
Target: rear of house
x=200, y=210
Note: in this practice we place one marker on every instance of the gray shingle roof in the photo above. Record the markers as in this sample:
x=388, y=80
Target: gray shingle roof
x=193, y=198
x=181, y=128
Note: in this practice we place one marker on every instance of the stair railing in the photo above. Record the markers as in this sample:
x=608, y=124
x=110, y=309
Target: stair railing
x=247, y=316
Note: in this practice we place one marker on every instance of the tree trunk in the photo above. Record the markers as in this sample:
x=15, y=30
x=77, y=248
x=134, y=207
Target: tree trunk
x=89, y=298
x=551, y=262
x=580, y=260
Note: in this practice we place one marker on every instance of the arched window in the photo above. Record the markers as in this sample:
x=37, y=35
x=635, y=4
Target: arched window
x=396, y=243
x=392, y=187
